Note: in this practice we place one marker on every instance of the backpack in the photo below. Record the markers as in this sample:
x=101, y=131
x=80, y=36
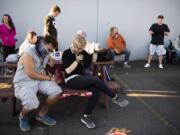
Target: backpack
x=104, y=55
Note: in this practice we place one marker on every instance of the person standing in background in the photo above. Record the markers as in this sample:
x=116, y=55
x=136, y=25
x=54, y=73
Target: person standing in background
x=157, y=31
x=49, y=22
x=7, y=35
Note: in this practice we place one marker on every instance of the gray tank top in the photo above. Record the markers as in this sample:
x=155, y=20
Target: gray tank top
x=20, y=75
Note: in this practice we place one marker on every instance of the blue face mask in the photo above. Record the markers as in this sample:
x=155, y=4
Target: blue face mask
x=40, y=48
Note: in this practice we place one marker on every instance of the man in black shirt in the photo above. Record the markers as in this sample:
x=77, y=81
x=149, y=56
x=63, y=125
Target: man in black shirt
x=75, y=61
x=49, y=22
x=157, y=31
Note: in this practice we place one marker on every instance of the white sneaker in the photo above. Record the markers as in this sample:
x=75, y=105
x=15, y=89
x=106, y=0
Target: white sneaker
x=147, y=65
x=160, y=66
x=126, y=66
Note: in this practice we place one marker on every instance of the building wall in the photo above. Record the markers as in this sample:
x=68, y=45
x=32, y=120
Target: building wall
x=132, y=17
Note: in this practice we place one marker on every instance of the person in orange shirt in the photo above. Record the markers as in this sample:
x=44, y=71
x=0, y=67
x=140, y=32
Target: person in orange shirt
x=118, y=45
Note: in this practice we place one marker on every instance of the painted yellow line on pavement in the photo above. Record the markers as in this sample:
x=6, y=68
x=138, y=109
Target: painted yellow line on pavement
x=134, y=94
x=165, y=122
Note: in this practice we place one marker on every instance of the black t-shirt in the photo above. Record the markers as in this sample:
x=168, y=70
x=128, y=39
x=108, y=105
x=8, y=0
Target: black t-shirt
x=51, y=26
x=69, y=57
x=158, y=36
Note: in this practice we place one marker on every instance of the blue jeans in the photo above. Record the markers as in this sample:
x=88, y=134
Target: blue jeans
x=93, y=84
x=177, y=54
x=126, y=52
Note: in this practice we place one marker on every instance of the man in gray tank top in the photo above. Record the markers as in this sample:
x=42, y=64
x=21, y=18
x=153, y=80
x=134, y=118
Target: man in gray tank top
x=29, y=80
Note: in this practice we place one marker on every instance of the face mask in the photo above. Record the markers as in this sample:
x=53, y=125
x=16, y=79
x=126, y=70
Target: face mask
x=40, y=48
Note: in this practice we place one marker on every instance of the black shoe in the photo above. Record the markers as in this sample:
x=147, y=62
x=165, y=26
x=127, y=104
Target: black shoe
x=88, y=121
x=120, y=101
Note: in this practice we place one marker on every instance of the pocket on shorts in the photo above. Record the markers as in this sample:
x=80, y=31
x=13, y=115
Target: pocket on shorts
x=152, y=49
x=17, y=89
x=160, y=50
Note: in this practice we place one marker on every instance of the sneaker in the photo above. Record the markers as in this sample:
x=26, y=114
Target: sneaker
x=46, y=120
x=9, y=71
x=147, y=65
x=111, y=66
x=120, y=101
x=24, y=123
x=126, y=66
x=88, y=121
x=160, y=66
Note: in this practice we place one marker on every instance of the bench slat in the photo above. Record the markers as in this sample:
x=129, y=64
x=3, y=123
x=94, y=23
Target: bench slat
x=67, y=92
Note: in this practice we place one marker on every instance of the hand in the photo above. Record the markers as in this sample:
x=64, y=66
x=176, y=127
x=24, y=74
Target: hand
x=53, y=78
x=50, y=62
x=166, y=33
x=116, y=50
x=95, y=55
x=79, y=58
x=43, y=72
x=151, y=32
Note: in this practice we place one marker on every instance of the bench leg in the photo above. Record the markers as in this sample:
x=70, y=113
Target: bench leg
x=105, y=97
x=14, y=106
x=106, y=101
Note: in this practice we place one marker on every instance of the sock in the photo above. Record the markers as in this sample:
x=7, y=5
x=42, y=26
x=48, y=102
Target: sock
x=86, y=115
x=21, y=116
x=125, y=63
x=115, y=97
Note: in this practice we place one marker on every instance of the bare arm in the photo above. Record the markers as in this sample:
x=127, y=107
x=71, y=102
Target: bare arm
x=94, y=57
x=73, y=66
x=166, y=33
x=151, y=32
x=29, y=66
x=50, y=62
x=46, y=30
x=46, y=26
x=116, y=50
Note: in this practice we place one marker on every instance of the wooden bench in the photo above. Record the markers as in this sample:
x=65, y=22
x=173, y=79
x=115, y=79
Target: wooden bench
x=7, y=92
x=113, y=85
x=67, y=92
